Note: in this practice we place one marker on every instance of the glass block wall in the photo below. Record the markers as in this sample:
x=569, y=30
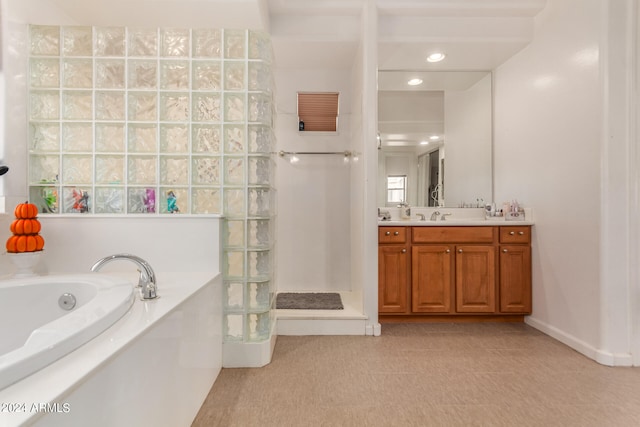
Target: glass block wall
x=162, y=121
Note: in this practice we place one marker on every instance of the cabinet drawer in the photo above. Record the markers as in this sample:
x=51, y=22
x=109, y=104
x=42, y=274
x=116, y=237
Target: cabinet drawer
x=515, y=234
x=392, y=234
x=453, y=234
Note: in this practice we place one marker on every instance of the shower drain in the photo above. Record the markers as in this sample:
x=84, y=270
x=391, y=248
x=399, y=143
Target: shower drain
x=67, y=301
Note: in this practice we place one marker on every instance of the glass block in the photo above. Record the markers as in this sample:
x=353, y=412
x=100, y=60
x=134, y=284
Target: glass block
x=174, y=138
x=234, y=203
x=174, y=170
x=76, y=200
x=77, y=41
x=174, y=200
x=207, y=75
x=233, y=327
x=78, y=73
x=143, y=74
x=234, y=75
x=77, y=169
x=174, y=75
x=110, y=41
x=206, y=170
x=77, y=105
x=44, y=105
x=175, y=42
x=44, y=73
x=234, y=107
x=45, y=198
x=110, y=73
x=143, y=42
x=259, y=170
x=205, y=201
x=142, y=106
x=234, y=141
x=110, y=106
x=45, y=40
x=258, y=296
x=141, y=200
x=233, y=264
x=233, y=233
x=234, y=295
x=44, y=169
x=110, y=137
x=206, y=107
x=44, y=136
x=207, y=43
x=260, y=139
x=141, y=170
x=234, y=44
x=234, y=170
x=110, y=170
x=259, y=326
x=260, y=108
x=259, y=202
x=205, y=139
x=142, y=138
x=260, y=46
x=109, y=200
x=260, y=77
x=259, y=233
x=77, y=137
x=174, y=107
x=259, y=264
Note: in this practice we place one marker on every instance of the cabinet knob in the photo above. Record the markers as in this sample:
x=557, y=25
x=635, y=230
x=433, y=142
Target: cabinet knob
x=505, y=251
x=447, y=251
x=396, y=233
x=404, y=251
x=459, y=251
x=388, y=233
x=521, y=233
x=512, y=233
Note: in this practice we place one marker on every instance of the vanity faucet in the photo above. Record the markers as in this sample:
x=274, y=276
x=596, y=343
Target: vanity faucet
x=147, y=280
x=434, y=216
x=444, y=216
x=421, y=216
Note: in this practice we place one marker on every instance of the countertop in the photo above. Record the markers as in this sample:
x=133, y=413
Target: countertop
x=453, y=223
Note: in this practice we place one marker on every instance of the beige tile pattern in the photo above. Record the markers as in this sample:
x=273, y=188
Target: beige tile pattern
x=437, y=374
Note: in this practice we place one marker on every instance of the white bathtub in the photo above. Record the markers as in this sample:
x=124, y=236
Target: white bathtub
x=153, y=367
x=36, y=331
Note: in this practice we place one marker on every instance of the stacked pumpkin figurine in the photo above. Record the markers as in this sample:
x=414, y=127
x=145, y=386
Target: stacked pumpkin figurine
x=25, y=229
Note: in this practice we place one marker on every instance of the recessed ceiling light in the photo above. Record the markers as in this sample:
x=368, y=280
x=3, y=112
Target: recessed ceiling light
x=424, y=142
x=434, y=137
x=414, y=82
x=436, y=57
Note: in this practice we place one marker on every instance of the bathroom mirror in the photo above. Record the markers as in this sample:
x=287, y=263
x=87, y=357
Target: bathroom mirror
x=435, y=137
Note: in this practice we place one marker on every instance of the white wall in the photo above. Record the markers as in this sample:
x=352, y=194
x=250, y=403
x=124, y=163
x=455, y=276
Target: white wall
x=548, y=129
x=312, y=233
x=467, y=129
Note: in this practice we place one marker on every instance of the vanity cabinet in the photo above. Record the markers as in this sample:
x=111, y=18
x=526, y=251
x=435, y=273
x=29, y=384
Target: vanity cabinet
x=393, y=270
x=454, y=271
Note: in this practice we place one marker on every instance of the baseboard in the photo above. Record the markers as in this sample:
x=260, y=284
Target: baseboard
x=601, y=356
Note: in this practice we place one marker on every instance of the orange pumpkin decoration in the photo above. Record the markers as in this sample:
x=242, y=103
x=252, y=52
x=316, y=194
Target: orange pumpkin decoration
x=26, y=210
x=25, y=229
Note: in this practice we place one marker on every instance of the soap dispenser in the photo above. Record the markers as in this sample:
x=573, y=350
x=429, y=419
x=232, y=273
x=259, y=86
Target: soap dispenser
x=405, y=210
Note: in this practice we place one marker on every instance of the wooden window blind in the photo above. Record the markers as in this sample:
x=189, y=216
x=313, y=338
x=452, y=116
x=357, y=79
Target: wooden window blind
x=318, y=111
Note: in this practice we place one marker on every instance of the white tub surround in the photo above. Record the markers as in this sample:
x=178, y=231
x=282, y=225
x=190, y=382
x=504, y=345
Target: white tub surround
x=36, y=330
x=153, y=367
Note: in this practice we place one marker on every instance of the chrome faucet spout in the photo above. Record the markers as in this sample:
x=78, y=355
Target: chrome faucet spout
x=434, y=216
x=147, y=280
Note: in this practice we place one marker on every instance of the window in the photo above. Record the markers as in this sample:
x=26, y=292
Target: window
x=396, y=189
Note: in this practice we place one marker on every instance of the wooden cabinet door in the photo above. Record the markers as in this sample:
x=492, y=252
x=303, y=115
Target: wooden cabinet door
x=393, y=279
x=515, y=279
x=431, y=278
x=475, y=279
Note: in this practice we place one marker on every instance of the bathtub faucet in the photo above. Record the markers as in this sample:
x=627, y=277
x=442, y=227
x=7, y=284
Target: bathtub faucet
x=147, y=281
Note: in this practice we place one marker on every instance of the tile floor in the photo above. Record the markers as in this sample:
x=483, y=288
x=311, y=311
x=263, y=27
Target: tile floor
x=437, y=374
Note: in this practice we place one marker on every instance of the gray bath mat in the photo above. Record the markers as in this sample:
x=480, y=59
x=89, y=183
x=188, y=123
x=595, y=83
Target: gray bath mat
x=309, y=301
